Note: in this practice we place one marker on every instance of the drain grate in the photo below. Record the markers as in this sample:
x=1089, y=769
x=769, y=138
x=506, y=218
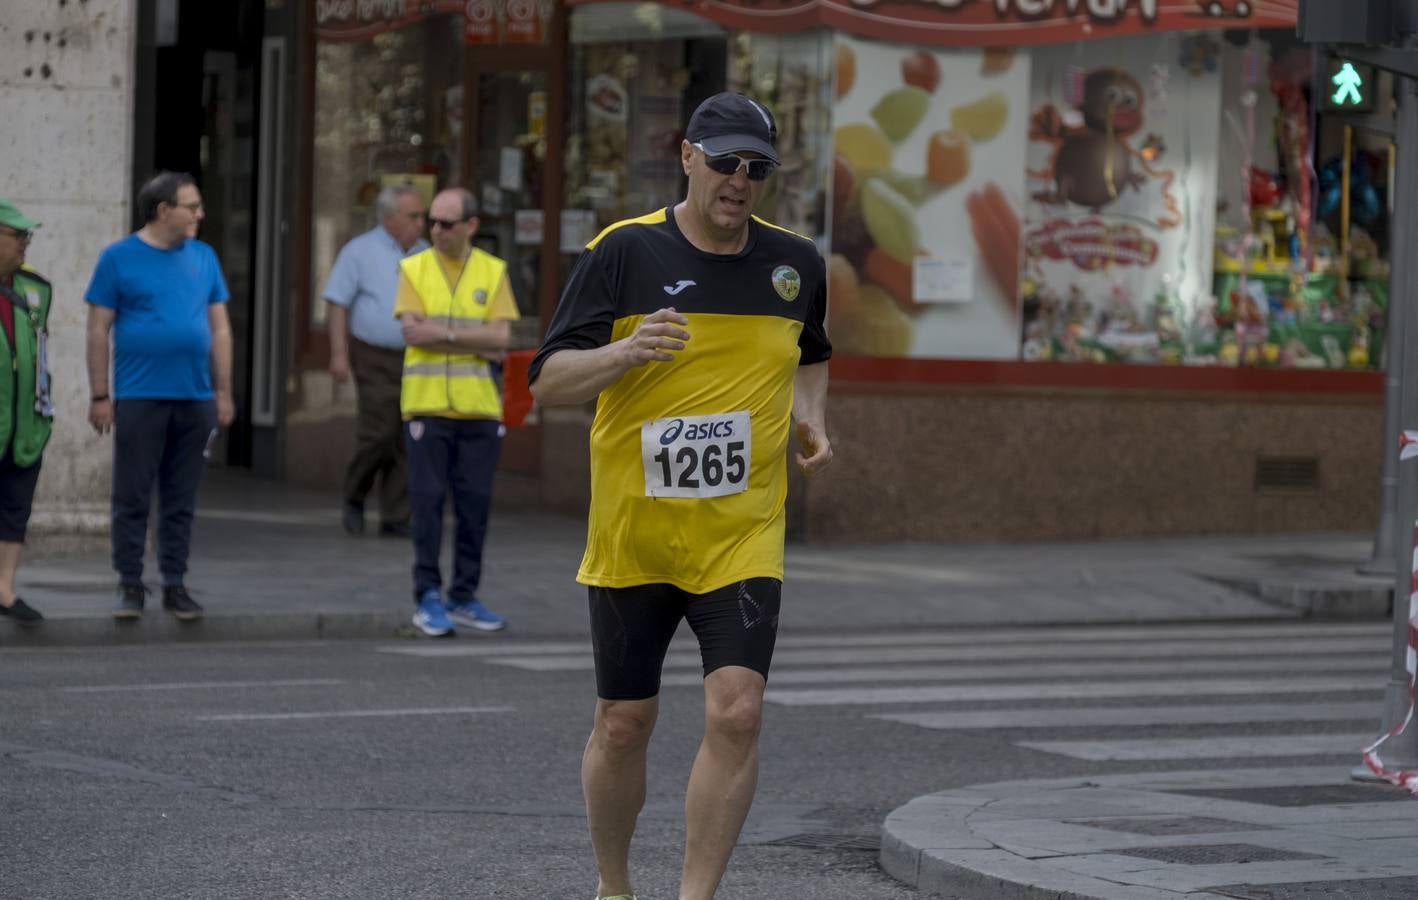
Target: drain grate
x=1304, y=795
x=1170, y=826
x=1287, y=473
x=864, y=843
x=1358, y=889
x=1214, y=854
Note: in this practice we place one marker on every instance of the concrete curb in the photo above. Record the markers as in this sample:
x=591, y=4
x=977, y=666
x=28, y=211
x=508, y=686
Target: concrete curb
x=1032, y=840
x=157, y=627
x=928, y=844
x=1317, y=598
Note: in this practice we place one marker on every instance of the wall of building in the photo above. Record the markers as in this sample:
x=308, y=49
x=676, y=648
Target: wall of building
x=66, y=92
x=971, y=465
x=1037, y=465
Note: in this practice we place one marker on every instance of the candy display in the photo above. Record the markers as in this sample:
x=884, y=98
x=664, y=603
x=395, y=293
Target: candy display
x=926, y=183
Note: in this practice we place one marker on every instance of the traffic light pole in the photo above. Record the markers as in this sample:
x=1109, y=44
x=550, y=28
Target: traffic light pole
x=1401, y=751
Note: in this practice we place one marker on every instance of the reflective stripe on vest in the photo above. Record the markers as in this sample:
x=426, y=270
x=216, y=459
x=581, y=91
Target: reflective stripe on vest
x=435, y=381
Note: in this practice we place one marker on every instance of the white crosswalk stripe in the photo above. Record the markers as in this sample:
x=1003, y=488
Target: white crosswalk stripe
x=1178, y=676
x=1090, y=716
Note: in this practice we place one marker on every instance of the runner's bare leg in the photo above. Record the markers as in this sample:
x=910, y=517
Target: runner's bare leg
x=724, y=777
x=613, y=782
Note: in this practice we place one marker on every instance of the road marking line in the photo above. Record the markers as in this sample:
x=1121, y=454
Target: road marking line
x=1205, y=748
x=199, y=685
x=1299, y=665
x=1020, y=652
x=1074, y=690
x=1263, y=633
x=354, y=714
x=1086, y=717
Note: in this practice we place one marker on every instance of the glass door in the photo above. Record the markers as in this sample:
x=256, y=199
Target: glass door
x=511, y=154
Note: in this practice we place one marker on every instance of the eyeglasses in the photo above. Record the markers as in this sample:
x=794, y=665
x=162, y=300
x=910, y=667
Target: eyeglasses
x=19, y=235
x=729, y=163
x=444, y=223
x=191, y=207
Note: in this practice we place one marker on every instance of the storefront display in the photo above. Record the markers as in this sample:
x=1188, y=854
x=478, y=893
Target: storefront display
x=928, y=178
x=388, y=101
x=1122, y=188
x=1105, y=182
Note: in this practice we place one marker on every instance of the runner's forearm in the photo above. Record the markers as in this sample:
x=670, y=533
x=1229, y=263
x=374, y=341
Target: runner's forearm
x=810, y=393
x=575, y=376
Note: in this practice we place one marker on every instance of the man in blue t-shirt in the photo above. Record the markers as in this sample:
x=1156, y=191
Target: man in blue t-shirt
x=161, y=295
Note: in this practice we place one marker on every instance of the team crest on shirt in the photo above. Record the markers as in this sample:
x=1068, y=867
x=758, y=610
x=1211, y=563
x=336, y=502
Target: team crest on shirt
x=787, y=282
x=480, y=296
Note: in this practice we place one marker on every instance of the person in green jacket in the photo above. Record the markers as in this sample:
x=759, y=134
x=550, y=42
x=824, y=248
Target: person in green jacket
x=25, y=408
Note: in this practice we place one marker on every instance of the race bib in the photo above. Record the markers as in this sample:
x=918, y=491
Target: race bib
x=697, y=456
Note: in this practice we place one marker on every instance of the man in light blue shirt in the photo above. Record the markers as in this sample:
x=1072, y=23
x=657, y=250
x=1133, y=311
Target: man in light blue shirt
x=366, y=338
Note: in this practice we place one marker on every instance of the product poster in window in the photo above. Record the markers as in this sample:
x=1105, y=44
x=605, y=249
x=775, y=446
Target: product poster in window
x=1122, y=181
x=929, y=156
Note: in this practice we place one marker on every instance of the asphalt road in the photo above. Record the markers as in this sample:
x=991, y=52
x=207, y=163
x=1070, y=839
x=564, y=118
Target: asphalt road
x=450, y=768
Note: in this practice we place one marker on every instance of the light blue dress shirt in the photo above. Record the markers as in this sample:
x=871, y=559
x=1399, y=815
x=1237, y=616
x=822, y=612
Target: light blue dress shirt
x=365, y=281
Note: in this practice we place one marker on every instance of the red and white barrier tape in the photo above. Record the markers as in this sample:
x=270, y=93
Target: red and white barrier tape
x=1405, y=778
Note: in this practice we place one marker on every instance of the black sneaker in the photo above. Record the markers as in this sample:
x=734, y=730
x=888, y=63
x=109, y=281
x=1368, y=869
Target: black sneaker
x=352, y=518
x=130, y=601
x=177, y=601
x=395, y=530
x=22, y=614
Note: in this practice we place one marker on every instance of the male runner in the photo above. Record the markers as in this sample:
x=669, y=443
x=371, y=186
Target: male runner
x=700, y=329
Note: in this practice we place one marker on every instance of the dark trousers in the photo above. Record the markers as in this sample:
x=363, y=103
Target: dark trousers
x=162, y=441
x=379, y=438
x=457, y=456
x=17, y=484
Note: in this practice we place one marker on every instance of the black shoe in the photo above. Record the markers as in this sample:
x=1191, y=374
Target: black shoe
x=352, y=517
x=177, y=601
x=395, y=529
x=22, y=613
x=130, y=601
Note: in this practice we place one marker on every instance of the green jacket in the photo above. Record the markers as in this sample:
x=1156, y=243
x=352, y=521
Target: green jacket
x=25, y=411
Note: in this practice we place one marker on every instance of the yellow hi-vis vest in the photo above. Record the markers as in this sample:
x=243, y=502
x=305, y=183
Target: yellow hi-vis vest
x=437, y=382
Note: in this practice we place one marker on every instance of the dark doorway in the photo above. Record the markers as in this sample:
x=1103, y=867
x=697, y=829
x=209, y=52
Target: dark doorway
x=197, y=112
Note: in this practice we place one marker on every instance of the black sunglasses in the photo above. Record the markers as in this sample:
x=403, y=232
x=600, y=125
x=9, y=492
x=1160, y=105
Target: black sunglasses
x=443, y=223
x=20, y=235
x=729, y=163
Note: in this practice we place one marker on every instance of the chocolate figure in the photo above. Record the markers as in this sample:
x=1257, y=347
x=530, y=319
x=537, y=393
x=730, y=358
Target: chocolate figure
x=1094, y=163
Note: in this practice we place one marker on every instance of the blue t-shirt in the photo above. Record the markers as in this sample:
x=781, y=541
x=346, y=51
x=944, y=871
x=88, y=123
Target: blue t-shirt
x=162, y=342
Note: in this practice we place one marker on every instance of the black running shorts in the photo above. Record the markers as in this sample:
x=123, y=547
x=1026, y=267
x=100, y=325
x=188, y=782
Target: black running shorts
x=631, y=629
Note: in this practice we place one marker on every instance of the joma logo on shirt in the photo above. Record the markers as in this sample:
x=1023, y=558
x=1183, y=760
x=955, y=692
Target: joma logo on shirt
x=673, y=289
x=702, y=431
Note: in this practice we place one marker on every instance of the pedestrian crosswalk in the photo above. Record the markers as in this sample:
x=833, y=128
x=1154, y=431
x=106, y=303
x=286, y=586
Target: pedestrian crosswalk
x=1081, y=692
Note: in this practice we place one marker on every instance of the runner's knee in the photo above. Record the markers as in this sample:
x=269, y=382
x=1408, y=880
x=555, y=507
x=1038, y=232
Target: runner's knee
x=625, y=726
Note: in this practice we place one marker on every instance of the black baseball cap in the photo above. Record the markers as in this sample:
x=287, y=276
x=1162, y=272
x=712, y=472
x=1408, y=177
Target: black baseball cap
x=732, y=123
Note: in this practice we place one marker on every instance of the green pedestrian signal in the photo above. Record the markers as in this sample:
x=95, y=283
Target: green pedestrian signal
x=1347, y=82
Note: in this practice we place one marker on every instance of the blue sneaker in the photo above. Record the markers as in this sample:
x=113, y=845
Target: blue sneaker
x=475, y=615
x=430, y=617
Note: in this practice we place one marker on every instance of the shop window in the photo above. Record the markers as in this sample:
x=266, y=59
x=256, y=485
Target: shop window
x=790, y=74
x=1154, y=199
x=387, y=109
x=636, y=73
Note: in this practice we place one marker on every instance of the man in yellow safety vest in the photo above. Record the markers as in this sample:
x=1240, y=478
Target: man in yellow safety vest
x=456, y=306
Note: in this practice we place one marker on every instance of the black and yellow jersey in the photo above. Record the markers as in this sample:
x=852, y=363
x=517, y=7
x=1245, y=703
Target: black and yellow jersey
x=689, y=458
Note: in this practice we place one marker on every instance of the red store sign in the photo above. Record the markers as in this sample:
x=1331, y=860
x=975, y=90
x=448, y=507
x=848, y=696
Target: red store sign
x=985, y=23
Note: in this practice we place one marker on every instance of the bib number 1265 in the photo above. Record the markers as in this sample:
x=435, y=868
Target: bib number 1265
x=697, y=456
